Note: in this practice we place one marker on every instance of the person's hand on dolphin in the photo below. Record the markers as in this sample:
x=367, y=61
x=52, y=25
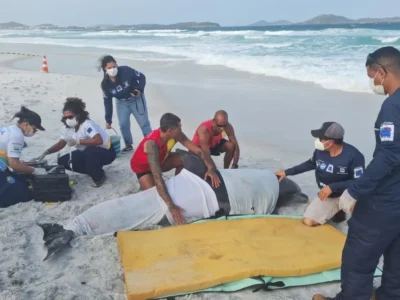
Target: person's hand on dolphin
x=324, y=193
x=281, y=174
x=176, y=213
x=215, y=182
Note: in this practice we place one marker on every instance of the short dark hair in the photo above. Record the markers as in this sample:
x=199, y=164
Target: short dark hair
x=77, y=107
x=386, y=57
x=169, y=121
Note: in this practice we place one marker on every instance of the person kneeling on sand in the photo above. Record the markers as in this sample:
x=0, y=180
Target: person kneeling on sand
x=337, y=165
x=152, y=157
x=93, y=145
x=14, y=187
x=210, y=136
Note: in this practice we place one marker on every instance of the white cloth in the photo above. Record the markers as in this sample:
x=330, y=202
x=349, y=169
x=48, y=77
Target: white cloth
x=11, y=144
x=187, y=191
x=87, y=130
x=346, y=201
x=251, y=191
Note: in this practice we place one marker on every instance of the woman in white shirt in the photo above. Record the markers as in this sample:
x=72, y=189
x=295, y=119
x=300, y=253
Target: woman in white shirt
x=14, y=187
x=93, y=145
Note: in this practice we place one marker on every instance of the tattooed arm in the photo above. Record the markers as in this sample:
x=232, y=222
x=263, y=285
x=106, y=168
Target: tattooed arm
x=153, y=152
x=205, y=157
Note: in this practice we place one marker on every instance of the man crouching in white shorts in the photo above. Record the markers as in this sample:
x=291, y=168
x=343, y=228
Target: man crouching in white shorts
x=337, y=165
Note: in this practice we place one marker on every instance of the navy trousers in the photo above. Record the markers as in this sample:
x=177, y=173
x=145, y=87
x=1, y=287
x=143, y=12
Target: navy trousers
x=13, y=189
x=372, y=233
x=90, y=161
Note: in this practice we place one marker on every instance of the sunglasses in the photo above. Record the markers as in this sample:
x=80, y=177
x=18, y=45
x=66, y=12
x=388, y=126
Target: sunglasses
x=68, y=118
x=219, y=125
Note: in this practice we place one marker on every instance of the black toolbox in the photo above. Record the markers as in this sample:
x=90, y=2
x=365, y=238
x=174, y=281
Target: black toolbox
x=52, y=187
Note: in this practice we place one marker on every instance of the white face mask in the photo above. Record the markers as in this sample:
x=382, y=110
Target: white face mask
x=71, y=122
x=29, y=134
x=377, y=89
x=320, y=145
x=112, y=72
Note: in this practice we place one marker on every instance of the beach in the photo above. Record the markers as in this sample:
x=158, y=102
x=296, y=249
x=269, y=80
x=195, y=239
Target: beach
x=272, y=118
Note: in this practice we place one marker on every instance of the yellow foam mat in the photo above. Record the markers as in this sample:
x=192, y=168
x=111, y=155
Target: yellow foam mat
x=198, y=256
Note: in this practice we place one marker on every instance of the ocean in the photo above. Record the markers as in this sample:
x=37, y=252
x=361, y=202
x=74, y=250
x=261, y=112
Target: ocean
x=330, y=56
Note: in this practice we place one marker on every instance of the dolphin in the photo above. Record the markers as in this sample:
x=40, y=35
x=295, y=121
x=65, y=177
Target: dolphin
x=242, y=192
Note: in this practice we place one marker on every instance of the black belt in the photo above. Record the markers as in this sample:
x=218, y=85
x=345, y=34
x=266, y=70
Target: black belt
x=222, y=197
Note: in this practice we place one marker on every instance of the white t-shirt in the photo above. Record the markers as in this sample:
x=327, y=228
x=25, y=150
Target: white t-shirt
x=11, y=144
x=86, y=131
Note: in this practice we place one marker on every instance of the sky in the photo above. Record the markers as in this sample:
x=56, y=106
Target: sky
x=224, y=12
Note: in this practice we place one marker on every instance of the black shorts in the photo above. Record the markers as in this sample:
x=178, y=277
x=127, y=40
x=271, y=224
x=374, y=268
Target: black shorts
x=217, y=149
x=138, y=175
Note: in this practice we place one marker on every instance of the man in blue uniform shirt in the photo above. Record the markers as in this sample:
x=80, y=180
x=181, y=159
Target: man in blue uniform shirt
x=337, y=165
x=374, y=228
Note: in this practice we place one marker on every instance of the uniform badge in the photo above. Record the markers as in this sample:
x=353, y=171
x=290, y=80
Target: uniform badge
x=358, y=172
x=386, y=132
x=322, y=166
x=10, y=179
x=329, y=169
x=119, y=88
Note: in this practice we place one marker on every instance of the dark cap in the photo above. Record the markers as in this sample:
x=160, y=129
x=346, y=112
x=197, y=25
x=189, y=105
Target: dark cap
x=330, y=130
x=27, y=115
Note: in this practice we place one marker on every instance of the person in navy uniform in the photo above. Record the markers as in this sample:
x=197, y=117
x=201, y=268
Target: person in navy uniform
x=127, y=86
x=337, y=165
x=374, y=228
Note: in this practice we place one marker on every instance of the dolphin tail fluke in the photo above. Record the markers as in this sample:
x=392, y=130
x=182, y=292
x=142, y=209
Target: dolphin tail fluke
x=55, y=238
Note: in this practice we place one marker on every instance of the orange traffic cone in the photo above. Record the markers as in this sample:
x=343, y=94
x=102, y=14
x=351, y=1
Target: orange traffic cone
x=44, y=65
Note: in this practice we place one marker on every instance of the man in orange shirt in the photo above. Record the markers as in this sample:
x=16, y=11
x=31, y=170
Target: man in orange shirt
x=210, y=137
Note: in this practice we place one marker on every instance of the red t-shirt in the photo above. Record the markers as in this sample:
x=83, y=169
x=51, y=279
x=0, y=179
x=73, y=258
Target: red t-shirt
x=139, y=160
x=214, y=140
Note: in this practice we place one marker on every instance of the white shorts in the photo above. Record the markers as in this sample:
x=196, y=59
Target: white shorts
x=322, y=211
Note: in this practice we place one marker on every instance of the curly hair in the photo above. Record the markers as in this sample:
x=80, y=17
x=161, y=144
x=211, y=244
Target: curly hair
x=78, y=108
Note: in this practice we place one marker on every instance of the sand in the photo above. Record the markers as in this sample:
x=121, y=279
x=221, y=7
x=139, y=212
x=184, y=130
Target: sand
x=272, y=118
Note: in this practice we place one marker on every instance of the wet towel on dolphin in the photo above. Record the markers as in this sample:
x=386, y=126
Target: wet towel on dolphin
x=250, y=191
x=202, y=255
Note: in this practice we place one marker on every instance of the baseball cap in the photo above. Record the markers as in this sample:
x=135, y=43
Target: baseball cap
x=31, y=117
x=331, y=130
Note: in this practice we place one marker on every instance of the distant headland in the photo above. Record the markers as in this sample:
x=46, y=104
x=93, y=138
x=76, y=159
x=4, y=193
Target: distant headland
x=329, y=20
x=186, y=25
x=326, y=19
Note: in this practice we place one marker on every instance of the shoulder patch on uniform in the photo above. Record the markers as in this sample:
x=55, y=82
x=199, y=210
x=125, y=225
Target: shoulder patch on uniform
x=386, y=132
x=358, y=172
x=89, y=130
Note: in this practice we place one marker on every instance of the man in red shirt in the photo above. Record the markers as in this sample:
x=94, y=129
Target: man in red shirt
x=210, y=137
x=153, y=156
